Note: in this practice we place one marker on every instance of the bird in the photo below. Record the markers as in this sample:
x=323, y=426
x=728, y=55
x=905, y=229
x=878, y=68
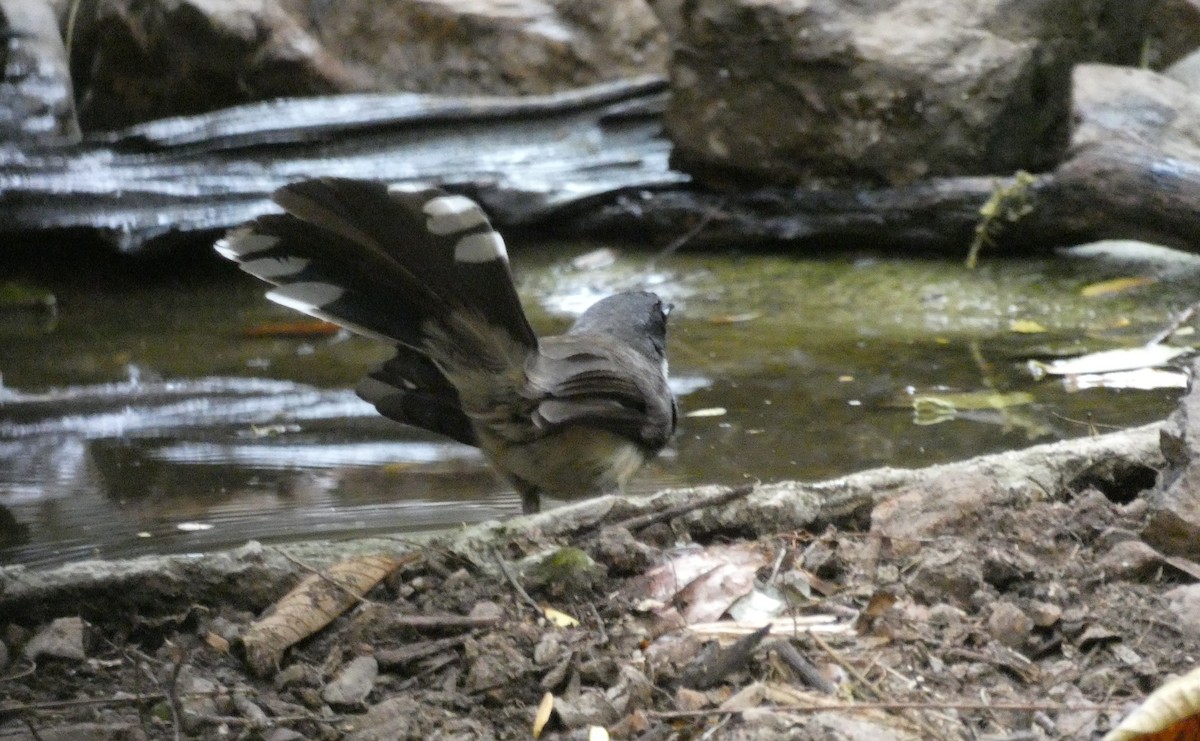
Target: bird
x=568, y=416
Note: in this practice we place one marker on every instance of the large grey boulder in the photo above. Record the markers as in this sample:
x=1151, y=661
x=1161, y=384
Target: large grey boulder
x=888, y=91
x=144, y=59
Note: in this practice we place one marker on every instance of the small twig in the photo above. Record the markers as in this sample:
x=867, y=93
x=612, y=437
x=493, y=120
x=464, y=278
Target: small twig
x=803, y=668
x=720, y=724
x=425, y=622
x=64, y=704
x=1176, y=322
x=652, y=518
x=176, y=703
x=862, y=679
x=599, y=623
x=690, y=234
x=33, y=731
x=393, y=657
x=513, y=581
x=850, y=668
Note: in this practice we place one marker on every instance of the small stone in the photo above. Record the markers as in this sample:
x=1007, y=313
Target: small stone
x=1043, y=614
x=487, y=610
x=1009, y=624
x=689, y=700
x=591, y=708
x=1184, y=605
x=62, y=639
x=353, y=683
x=1130, y=559
x=297, y=674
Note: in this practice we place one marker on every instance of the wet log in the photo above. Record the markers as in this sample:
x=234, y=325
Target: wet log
x=592, y=162
x=191, y=177
x=1116, y=190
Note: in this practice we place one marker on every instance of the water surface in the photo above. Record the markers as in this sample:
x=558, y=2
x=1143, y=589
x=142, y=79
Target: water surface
x=160, y=409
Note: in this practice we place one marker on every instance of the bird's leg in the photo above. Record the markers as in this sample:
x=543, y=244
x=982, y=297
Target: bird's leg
x=531, y=499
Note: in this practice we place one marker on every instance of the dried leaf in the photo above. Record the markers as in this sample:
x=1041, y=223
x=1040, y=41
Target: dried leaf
x=704, y=583
x=1142, y=379
x=542, y=717
x=748, y=316
x=707, y=412
x=1025, y=326
x=301, y=328
x=1116, y=285
x=312, y=604
x=758, y=606
x=559, y=618
x=1170, y=713
x=1130, y=358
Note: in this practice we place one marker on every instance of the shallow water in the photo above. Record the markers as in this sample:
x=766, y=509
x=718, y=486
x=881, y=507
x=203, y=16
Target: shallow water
x=144, y=416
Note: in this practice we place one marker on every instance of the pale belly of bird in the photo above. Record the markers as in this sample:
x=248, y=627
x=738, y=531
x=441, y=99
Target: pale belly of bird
x=599, y=462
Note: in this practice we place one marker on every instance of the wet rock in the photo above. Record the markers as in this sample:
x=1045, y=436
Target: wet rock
x=515, y=47
x=1173, y=507
x=881, y=92
x=62, y=639
x=170, y=57
x=1184, y=604
x=1130, y=559
x=1009, y=624
x=1134, y=104
x=353, y=683
x=156, y=58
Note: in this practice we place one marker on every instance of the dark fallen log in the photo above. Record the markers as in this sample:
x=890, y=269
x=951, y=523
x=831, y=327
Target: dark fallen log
x=1112, y=191
x=590, y=162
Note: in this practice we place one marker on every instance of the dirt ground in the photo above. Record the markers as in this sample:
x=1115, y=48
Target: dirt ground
x=1005, y=598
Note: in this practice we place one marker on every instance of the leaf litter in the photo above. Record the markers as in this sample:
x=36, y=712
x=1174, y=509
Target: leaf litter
x=956, y=607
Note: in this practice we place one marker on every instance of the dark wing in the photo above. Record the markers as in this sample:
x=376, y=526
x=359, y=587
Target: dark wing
x=409, y=388
x=599, y=383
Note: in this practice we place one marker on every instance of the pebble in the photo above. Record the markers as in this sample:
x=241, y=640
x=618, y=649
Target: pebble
x=353, y=683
